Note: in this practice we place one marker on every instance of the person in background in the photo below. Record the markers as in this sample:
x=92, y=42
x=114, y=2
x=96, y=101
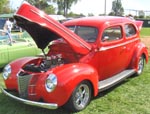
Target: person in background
x=7, y=27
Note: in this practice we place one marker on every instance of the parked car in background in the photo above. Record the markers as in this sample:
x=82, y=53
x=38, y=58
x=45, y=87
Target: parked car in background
x=21, y=45
x=87, y=55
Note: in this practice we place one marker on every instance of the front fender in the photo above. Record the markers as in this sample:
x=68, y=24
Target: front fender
x=18, y=63
x=69, y=76
x=140, y=49
x=11, y=82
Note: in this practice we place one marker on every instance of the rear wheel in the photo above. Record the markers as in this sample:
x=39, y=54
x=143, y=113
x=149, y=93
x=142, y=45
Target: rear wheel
x=140, y=65
x=80, y=97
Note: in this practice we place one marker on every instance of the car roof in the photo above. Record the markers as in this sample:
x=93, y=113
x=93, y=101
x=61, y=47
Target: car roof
x=98, y=21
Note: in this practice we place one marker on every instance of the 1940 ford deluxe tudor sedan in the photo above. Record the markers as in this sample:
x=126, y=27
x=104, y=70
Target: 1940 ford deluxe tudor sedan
x=86, y=56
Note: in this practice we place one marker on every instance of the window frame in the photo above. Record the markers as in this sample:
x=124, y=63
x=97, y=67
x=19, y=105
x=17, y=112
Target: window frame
x=76, y=30
x=103, y=40
x=130, y=35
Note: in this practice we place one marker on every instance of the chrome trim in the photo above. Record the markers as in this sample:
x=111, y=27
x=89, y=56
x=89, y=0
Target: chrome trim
x=114, y=46
x=109, y=82
x=32, y=103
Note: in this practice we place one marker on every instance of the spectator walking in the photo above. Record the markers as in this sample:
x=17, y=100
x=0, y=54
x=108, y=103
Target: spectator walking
x=7, y=28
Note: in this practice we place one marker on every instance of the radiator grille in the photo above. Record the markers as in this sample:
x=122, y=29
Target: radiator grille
x=23, y=82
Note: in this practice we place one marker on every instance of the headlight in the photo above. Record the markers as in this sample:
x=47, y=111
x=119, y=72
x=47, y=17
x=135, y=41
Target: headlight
x=51, y=82
x=6, y=72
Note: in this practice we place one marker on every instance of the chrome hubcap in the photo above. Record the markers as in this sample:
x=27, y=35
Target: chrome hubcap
x=82, y=96
x=140, y=65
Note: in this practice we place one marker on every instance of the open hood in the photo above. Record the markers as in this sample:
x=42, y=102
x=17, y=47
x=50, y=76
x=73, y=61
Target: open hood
x=44, y=29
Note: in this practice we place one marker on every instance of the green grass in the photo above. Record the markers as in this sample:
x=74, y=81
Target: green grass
x=145, y=32
x=129, y=97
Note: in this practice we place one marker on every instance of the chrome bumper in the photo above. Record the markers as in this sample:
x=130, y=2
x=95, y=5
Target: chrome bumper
x=33, y=103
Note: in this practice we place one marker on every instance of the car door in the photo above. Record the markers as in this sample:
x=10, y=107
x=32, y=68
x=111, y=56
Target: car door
x=112, y=53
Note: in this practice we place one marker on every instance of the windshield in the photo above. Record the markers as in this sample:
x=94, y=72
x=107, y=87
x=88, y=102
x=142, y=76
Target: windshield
x=89, y=34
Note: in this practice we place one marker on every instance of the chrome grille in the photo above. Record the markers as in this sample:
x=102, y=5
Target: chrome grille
x=23, y=82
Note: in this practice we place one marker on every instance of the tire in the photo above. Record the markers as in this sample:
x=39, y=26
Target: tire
x=80, y=97
x=140, y=65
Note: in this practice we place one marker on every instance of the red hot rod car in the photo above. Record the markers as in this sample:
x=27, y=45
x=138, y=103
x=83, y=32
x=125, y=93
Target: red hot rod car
x=86, y=56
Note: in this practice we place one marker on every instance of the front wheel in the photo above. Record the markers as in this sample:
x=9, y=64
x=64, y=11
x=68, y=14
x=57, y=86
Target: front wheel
x=80, y=97
x=140, y=65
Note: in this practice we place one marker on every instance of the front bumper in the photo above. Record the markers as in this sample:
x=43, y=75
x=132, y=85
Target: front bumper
x=33, y=103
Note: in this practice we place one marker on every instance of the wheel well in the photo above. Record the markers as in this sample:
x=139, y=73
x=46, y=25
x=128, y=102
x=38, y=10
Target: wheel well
x=143, y=54
x=92, y=87
x=68, y=104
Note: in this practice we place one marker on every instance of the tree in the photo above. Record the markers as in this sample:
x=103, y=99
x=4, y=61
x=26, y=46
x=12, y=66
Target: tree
x=117, y=8
x=90, y=14
x=64, y=5
x=74, y=15
x=43, y=5
x=4, y=6
x=50, y=9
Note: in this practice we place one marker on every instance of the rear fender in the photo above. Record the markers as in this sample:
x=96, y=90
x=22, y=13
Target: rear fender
x=140, y=49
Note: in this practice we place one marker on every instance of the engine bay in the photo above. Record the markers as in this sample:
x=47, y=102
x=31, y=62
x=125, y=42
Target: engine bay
x=45, y=63
x=59, y=54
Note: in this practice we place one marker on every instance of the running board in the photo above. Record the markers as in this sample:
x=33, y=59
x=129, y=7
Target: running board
x=105, y=84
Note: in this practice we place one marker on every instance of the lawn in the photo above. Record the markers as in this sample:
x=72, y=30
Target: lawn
x=129, y=97
x=145, y=31
x=145, y=37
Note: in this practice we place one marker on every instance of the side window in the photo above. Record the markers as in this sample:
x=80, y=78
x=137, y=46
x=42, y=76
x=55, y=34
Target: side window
x=129, y=30
x=112, y=34
x=72, y=28
x=87, y=33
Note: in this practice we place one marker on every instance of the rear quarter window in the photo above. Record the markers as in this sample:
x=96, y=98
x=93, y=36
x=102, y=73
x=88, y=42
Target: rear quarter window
x=129, y=30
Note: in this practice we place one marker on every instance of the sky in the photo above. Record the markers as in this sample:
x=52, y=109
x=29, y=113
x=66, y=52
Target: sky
x=97, y=7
